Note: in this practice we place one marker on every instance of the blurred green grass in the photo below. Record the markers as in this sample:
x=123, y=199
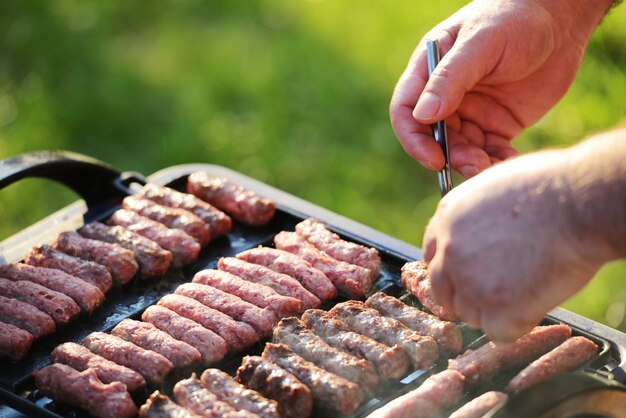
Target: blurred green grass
x=294, y=93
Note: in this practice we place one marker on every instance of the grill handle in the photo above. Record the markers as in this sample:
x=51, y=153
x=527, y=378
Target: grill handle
x=95, y=181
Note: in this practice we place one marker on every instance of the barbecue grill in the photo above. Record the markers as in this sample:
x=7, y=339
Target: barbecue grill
x=595, y=390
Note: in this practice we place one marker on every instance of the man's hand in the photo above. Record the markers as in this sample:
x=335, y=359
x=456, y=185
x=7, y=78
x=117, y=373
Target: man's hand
x=519, y=239
x=505, y=64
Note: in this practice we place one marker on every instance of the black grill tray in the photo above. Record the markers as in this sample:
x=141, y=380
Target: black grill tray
x=17, y=389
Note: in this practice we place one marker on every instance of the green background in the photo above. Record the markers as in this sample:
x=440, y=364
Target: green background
x=294, y=93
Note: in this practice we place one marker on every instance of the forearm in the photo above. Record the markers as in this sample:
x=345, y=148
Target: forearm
x=597, y=181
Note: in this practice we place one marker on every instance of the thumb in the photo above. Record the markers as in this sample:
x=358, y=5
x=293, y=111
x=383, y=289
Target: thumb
x=463, y=66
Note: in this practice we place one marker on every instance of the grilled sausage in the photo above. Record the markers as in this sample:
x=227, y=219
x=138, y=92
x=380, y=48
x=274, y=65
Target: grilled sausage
x=313, y=280
x=190, y=394
x=317, y=234
x=26, y=317
x=238, y=335
x=61, y=308
x=492, y=358
x=88, y=271
x=293, y=333
x=281, y=283
x=390, y=362
x=244, y=205
x=422, y=350
x=147, y=336
x=255, y=293
x=447, y=334
x=262, y=320
x=152, y=259
x=481, y=405
x=351, y=281
x=415, y=279
x=211, y=346
x=14, y=342
x=219, y=222
x=228, y=390
x=160, y=406
x=80, y=358
x=117, y=259
x=328, y=390
x=84, y=390
x=438, y=392
x=566, y=357
x=183, y=247
x=294, y=398
x=86, y=295
x=152, y=366
x=175, y=218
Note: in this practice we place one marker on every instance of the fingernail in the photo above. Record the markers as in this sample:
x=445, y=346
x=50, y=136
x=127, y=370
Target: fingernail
x=468, y=171
x=427, y=106
x=427, y=164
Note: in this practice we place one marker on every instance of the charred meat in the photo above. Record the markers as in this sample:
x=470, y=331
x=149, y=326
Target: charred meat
x=88, y=271
x=117, y=259
x=152, y=259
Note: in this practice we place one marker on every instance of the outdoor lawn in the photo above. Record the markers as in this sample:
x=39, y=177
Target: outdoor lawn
x=293, y=93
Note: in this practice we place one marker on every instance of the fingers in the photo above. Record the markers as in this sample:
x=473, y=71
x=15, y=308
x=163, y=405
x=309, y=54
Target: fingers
x=491, y=116
x=499, y=147
x=473, y=151
x=506, y=325
x=413, y=80
x=442, y=288
x=467, y=309
x=416, y=138
x=499, y=154
x=429, y=242
x=468, y=159
x=420, y=146
x=449, y=293
x=466, y=156
x=457, y=73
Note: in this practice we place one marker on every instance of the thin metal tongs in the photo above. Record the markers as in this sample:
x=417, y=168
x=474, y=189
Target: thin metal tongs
x=439, y=128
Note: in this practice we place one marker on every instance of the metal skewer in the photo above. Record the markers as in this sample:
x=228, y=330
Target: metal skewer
x=439, y=128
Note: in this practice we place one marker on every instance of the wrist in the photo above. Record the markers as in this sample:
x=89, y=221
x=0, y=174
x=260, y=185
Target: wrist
x=577, y=19
x=597, y=183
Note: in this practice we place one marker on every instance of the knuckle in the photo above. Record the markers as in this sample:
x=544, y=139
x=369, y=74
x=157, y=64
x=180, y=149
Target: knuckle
x=443, y=72
x=442, y=205
x=496, y=297
x=451, y=250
